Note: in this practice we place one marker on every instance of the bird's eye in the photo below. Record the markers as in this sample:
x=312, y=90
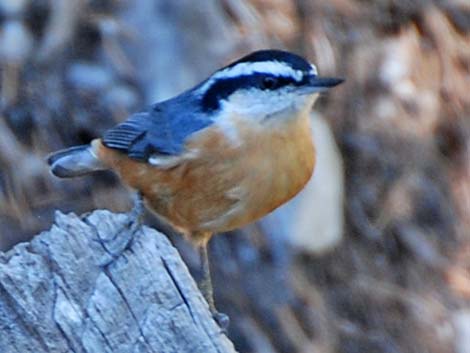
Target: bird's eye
x=269, y=82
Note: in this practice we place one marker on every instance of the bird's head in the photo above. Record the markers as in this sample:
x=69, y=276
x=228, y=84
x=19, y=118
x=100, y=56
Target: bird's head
x=262, y=85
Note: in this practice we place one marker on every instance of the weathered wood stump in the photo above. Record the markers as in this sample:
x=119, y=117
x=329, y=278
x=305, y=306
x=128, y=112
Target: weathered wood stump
x=94, y=284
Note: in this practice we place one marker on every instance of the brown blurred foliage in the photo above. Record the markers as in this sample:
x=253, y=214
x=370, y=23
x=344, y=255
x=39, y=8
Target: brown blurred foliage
x=400, y=280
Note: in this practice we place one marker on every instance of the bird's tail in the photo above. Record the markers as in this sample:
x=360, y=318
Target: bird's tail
x=74, y=161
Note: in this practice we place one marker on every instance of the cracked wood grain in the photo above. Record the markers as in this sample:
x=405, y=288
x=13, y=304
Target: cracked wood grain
x=92, y=284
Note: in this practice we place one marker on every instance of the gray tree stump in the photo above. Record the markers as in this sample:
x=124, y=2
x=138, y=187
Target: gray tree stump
x=93, y=285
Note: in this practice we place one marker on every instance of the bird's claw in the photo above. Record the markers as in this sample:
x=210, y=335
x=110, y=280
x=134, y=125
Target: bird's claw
x=222, y=320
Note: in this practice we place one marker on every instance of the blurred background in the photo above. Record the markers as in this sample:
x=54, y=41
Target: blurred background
x=373, y=256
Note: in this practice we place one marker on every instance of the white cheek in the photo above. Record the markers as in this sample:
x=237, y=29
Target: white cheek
x=257, y=106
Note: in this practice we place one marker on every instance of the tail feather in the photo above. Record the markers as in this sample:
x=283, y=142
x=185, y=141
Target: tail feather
x=74, y=161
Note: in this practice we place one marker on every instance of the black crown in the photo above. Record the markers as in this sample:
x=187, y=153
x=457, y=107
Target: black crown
x=295, y=61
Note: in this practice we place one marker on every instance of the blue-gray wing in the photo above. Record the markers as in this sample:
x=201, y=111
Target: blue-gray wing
x=162, y=129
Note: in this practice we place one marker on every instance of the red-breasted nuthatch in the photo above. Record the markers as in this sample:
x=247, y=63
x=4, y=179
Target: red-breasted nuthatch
x=220, y=155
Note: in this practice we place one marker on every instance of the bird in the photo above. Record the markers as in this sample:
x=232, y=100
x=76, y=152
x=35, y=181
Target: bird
x=218, y=156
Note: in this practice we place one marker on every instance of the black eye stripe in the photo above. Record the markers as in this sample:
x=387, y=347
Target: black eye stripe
x=224, y=87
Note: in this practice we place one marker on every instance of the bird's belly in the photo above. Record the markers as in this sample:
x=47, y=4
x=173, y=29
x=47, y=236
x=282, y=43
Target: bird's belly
x=222, y=187
x=228, y=185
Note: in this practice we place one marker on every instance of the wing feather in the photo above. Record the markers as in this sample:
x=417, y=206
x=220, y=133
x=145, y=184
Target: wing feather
x=161, y=130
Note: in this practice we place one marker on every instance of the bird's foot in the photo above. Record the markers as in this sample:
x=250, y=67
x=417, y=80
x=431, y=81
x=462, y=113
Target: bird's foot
x=134, y=216
x=205, y=286
x=124, y=237
x=222, y=320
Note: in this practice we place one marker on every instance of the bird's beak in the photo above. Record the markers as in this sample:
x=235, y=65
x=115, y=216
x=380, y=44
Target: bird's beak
x=317, y=84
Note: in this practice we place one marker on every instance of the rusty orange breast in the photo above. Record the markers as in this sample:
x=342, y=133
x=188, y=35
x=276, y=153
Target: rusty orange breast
x=224, y=182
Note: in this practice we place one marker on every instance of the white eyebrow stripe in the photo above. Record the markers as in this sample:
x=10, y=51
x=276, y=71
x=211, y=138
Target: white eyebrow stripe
x=313, y=70
x=266, y=67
